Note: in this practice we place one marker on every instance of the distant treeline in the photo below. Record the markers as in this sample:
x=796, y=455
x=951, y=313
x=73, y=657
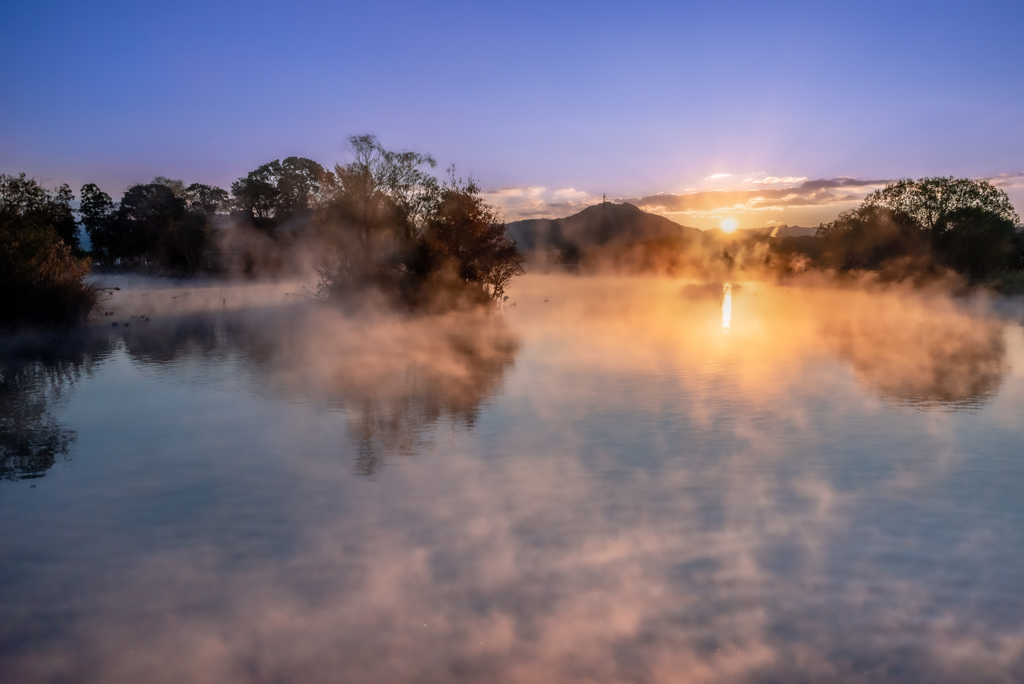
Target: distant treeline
x=381, y=220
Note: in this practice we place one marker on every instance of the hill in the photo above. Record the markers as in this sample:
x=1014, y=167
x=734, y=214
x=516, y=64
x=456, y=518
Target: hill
x=623, y=238
x=601, y=225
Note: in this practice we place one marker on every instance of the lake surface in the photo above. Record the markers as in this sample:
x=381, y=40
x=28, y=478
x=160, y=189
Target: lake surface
x=612, y=480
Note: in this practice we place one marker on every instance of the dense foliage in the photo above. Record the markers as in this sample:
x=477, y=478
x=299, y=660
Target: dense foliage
x=463, y=237
x=393, y=226
x=41, y=274
x=278, y=191
x=381, y=221
x=965, y=225
x=163, y=223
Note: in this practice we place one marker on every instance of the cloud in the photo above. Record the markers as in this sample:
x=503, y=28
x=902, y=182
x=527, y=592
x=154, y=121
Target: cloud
x=785, y=180
x=1007, y=180
x=807, y=193
x=770, y=193
x=538, y=202
x=572, y=194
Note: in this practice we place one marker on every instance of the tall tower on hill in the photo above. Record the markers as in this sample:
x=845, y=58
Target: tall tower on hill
x=605, y=232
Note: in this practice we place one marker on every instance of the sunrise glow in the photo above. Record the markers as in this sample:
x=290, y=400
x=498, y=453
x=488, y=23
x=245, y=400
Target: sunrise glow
x=728, y=224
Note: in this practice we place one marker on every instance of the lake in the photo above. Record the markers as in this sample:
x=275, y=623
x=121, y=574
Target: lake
x=608, y=480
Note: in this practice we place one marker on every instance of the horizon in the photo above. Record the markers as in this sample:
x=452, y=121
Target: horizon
x=727, y=228
x=809, y=204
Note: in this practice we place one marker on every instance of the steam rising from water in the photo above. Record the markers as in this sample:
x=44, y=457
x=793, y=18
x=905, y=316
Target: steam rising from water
x=593, y=485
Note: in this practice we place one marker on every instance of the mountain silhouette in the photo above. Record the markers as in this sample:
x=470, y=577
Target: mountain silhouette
x=605, y=224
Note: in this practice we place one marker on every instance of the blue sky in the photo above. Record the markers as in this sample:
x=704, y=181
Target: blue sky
x=549, y=106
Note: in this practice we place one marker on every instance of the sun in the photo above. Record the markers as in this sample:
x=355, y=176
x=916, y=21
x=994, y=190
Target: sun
x=728, y=224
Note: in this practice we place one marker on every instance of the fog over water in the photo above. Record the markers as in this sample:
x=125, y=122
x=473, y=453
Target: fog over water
x=608, y=480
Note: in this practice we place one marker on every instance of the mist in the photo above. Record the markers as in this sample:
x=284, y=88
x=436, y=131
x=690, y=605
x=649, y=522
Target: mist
x=535, y=380
x=361, y=449
x=608, y=479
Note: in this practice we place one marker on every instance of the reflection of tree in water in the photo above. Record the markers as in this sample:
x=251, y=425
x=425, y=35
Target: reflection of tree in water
x=946, y=358
x=34, y=374
x=31, y=440
x=452, y=391
x=166, y=339
x=394, y=377
x=37, y=370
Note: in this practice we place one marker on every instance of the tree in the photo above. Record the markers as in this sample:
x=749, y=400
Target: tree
x=929, y=201
x=41, y=279
x=64, y=218
x=467, y=237
x=38, y=206
x=165, y=222
x=26, y=226
x=256, y=194
x=963, y=224
x=298, y=186
x=381, y=191
x=372, y=210
x=208, y=199
x=97, y=211
x=165, y=227
x=867, y=237
x=145, y=215
x=176, y=186
x=976, y=241
x=395, y=227
x=277, y=191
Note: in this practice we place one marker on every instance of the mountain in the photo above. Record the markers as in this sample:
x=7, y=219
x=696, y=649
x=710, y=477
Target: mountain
x=605, y=224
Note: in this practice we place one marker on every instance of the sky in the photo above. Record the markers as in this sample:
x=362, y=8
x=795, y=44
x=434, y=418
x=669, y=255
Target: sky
x=764, y=113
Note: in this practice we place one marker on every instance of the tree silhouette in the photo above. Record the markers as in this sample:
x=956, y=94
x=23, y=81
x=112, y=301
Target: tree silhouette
x=929, y=201
x=867, y=237
x=466, y=236
x=379, y=200
x=278, y=191
x=394, y=226
x=963, y=224
x=41, y=278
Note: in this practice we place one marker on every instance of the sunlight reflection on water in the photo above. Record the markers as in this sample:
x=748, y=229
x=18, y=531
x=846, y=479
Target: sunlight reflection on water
x=726, y=306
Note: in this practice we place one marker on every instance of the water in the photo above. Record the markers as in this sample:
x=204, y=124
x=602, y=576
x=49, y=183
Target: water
x=614, y=480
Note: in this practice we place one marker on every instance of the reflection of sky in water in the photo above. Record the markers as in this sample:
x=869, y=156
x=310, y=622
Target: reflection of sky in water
x=599, y=488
